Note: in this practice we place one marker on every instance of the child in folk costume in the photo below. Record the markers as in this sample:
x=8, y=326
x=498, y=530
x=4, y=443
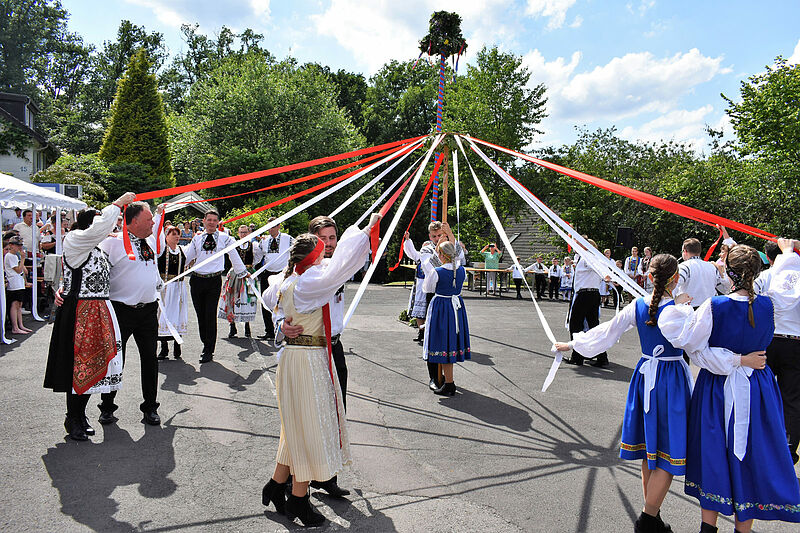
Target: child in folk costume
x=655, y=420
x=239, y=302
x=447, y=337
x=567, y=273
x=174, y=296
x=313, y=442
x=85, y=355
x=738, y=462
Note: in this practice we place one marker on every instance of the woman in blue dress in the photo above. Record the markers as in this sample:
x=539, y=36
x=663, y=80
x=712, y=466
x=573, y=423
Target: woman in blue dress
x=656, y=411
x=447, y=331
x=738, y=461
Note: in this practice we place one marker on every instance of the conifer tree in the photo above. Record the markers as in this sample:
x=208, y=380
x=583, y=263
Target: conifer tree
x=137, y=129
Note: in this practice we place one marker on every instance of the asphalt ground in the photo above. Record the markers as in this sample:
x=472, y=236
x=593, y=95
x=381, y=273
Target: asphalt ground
x=499, y=456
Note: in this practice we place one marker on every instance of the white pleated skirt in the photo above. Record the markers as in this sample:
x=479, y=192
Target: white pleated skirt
x=313, y=442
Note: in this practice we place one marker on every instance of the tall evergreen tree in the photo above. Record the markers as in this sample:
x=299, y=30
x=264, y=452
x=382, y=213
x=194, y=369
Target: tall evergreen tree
x=137, y=130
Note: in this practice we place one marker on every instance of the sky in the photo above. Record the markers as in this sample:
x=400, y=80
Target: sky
x=654, y=69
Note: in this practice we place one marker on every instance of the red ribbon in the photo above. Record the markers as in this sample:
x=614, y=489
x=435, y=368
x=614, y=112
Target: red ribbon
x=308, y=260
x=158, y=232
x=422, y=199
x=402, y=151
x=270, y=172
x=714, y=246
x=645, y=198
x=326, y=321
x=126, y=238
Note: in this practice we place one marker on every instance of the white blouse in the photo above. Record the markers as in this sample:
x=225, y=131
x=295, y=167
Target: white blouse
x=79, y=242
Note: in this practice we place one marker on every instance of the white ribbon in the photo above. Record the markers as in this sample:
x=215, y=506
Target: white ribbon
x=649, y=369
x=170, y=327
x=252, y=285
x=737, y=400
x=455, y=301
x=289, y=214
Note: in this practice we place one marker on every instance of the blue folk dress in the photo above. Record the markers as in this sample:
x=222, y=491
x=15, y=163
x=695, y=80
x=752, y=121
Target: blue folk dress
x=738, y=461
x=656, y=410
x=446, y=327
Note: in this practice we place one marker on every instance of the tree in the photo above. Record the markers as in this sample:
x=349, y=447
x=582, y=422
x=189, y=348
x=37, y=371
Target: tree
x=767, y=120
x=93, y=194
x=251, y=114
x=137, y=130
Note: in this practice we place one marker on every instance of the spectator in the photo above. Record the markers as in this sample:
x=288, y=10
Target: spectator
x=644, y=268
x=492, y=262
x=632, y=263
x=554, y=272
x=25, y=230
x=567, y=273
x=540, y=273
x=15, y=274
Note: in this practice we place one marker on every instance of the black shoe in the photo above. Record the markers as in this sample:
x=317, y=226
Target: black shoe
x=575, y=359
x=151, y=418
x=663, y=527
x=301, y=508
x=420, y=336
x=266, y=337
x=646, y=524
x=176, y=352
x=232, y=332
x=448, y=389
x=107, y=417
x=331, y=487
x=89, y=430
x=707, y=528
x=206, y=358
x=75, y=429
x=274, y=492
x=164, y=353
x=600, y=363
x=247, y=329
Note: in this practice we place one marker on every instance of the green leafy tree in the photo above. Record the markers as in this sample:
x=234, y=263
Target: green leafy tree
x=93, y=193
x=252, y=114
x=767, y=119
x=137, y=131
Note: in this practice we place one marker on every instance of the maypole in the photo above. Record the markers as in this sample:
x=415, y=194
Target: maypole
x=444, y=38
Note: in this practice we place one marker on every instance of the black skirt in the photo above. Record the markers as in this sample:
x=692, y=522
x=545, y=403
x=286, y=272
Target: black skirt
x=61, y=357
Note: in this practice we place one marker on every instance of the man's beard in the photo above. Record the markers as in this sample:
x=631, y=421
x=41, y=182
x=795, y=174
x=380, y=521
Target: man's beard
x=328, y=252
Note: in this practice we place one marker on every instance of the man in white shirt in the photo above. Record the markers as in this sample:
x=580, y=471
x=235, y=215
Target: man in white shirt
x=700, y=279
x=134, y=285
x=206, y=282
x=585, y=306
x=554, y=272
x=275, y=251
x=540, y=273
x=25, y=229
x=11, y=217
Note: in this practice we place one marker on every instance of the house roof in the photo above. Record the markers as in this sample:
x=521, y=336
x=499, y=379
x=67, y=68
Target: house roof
x=13, y=97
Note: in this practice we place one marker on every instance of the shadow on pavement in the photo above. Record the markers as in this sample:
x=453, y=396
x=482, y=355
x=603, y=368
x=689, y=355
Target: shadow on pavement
x=34, y=325
x=87, y=473
x=489, y=410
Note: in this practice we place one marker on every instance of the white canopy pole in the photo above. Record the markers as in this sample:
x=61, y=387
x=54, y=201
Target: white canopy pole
x=35, y=257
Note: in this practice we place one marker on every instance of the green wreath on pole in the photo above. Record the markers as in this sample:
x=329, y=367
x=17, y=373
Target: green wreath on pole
x=444, y=35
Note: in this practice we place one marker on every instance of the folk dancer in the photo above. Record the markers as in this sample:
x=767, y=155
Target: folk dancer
x=174, y=296
x=314, y=442
x=239, y=300
x=85, y=355
x=274, y=249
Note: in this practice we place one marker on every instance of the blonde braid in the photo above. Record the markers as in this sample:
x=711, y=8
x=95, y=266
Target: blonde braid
x=662, y=267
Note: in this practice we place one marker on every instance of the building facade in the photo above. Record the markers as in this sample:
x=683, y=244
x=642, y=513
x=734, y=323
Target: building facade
x=18, y=114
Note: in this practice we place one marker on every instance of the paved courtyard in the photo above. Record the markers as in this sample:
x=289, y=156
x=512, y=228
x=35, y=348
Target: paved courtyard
x=499, y=456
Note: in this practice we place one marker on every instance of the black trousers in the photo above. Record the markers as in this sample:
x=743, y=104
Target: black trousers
x=518, y=284
x=555, y=284
x=205, y=298
x=540, y=281
x=337, y=351
x=76, y=404
x=266, y=314
x=586, y=306
x=783, y=357
x=142, y=324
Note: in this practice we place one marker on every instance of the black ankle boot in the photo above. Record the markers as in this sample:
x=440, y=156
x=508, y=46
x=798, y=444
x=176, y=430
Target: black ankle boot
x=707, y=528
x=176, y=350
x=646, y=524
x=164, y=353
x=448, y=389
x=247, y=329
x=663, y=527
x=75, y=428
x=232, y=332
x=300, y=507
x=274, y=492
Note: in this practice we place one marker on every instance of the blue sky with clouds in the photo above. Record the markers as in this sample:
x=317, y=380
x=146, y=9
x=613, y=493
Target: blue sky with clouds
x=652, y=68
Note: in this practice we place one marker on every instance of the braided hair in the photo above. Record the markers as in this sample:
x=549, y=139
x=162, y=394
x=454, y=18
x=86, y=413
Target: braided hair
x=743, y=265
x=447, y=250
x=663, y=267
x=303, y=245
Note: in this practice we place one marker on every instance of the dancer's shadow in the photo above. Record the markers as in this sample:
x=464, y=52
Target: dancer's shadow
x=86, y=473
x=489, y=410
x=221, y=374
x=177, y=372
x=481, y=359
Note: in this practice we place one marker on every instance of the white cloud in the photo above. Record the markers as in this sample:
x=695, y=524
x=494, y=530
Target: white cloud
x=554, y=10
x=162, y=11
x=381, y=30
x=642, y=8
x=576, y=23
x=260, y=8
x=680, y=125
x=235, y=14
x=795, y=57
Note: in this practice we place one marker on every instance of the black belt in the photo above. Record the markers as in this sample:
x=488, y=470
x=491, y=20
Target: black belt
x=136, y=306
x=792, y=337
x=588, y=290
x=212, y=275
x=335, y=339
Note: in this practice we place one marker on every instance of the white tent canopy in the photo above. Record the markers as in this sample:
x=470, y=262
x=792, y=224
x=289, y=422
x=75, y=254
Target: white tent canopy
x=18, y=193
x=176, y=203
